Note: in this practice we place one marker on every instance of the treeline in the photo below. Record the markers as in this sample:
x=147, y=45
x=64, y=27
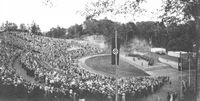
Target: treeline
x=172, y=37
x=10, y=26
x=104, y=27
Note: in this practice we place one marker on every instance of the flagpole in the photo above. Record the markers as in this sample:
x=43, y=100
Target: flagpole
x=116, y=92
x=189, y=69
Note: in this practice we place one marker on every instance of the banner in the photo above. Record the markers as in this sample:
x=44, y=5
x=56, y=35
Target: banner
x=115, y=51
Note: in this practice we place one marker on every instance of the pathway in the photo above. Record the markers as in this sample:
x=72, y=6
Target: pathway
x=20, y=71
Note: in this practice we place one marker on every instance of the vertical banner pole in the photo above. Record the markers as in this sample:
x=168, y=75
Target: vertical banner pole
x=189, y=69
x=116, y=92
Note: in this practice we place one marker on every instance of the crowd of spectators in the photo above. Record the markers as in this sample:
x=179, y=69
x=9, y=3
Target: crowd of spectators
x=11, y=84
x=53, y=63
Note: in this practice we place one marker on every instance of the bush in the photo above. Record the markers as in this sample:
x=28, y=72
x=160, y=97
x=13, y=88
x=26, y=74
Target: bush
x=150, y=60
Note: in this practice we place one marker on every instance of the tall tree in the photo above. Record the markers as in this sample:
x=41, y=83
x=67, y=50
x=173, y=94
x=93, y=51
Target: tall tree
x=90, y=26
x=9, y=26
x=75, y=31
x=22, y=27
x=177, y=11
x=57, y=32
x=35, y=29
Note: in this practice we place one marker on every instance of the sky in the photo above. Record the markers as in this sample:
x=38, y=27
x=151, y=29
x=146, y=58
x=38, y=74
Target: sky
x=62, y=13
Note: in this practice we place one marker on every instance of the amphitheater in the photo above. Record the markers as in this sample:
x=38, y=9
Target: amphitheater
x=43, y=68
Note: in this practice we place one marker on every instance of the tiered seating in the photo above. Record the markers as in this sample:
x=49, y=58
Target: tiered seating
x=62, y=74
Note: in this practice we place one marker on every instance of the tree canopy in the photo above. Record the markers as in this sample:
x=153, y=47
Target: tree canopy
x=35, y=29
x=112, y=8
x=176, y=11
x=9, y=26
x=57, y=32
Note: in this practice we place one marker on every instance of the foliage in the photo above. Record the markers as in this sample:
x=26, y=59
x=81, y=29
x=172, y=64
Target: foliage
x=9, y=26
x=111, y=7
x=172, y=37
x=181, y=11
x=56, y=32
x=153, y=32
x=108, y=28
x=23, y=27
x=75, y=31
x=35, y=29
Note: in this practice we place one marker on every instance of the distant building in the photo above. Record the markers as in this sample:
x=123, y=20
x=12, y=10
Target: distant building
x=158, y=50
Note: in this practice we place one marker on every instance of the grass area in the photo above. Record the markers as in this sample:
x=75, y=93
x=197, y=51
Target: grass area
x=103, y=64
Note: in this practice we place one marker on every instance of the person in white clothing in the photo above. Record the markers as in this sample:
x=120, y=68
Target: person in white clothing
x=171, y=97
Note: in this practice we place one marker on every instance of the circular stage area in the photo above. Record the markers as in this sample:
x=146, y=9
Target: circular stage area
x=102, y=64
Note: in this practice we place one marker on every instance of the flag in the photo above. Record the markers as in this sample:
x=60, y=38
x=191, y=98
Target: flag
x=115, y=51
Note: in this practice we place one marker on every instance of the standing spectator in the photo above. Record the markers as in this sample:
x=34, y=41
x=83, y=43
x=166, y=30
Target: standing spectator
x=171, y=97
x=168, y=96
x=174, y=96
